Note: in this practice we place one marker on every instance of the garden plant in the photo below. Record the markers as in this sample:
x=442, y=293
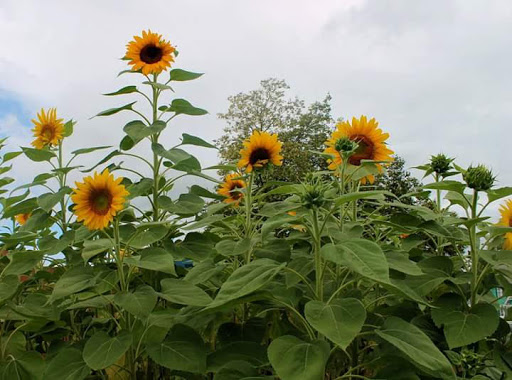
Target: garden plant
x=328, y=277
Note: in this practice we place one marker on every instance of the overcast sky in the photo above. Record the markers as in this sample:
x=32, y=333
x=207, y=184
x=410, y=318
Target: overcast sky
x=435, y=74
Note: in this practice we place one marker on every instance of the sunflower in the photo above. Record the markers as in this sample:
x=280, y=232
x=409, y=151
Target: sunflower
x=48, y=129
x=98, y=199
x=231, y=187
x=260, y=149
x=370, y=144
x=150, y=53
x=22, y=218
x=506, y=220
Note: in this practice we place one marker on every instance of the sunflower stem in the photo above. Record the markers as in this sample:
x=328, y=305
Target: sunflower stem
x=474, y=243
x=62, y=183
x=248, y=213
x=156, y=160
x=118, y=256
x=318, y=259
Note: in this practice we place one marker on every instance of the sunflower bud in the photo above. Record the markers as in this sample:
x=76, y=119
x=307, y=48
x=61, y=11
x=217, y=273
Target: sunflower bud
x=479, y=178
x=440, y=164
x=313, y=194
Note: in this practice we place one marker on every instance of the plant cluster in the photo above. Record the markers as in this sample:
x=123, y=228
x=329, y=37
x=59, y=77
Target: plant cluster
x=114, y=278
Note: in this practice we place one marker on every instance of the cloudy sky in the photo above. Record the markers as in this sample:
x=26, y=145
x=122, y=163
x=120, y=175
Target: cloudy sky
x=436, y=74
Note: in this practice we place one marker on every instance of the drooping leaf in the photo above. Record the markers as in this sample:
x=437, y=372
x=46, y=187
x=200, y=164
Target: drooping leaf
x=182, y=350
x=180, y=75
x=295, y=359
x=122, y=91
x=22, y=262
x=416, y=346
x=184, y=293
x=74, y=280
x=113, y=111
x=68, y=364
x=38, y=155
x=187, y=139
x=153, y=258
x=139, y=303
x=93, y=247
x=102, y=350
x=340, y=321
x=182, y=106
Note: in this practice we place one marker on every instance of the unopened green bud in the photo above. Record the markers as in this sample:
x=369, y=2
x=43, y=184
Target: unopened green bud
x=345, y=145
x=440, y=164
x=313, y=194
x=479, y=178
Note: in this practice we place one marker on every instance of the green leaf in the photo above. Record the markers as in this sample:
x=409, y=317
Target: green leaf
x=187, y=204
x=124, y=90
x=101, y=350
x=52, y=246
x=249, y=352
x=22, y=262
x=139, y=303
x=183, y=293
x=180, y=159
x=295, y=359
x=401, y=263
x=187, y=139
x=146, y=235
x=28, y=366
x=68, y=128
x=68, y=364
x=23, y=207
x=113, y=111
x=182, y=350
x=465, y=327
x=203, y=272
x=10, y=155
x=73, y=281
x=340, y=321
x=246, y=280
x=137, y=130
x=376, y=194
x=93, y=247
x=361, y=256
x=49, y=200
x=205, y=193
x=495, y=194
x=456, y=186
x=8, y=287
x=416, y=346
x=89, y=150
x=182, y=106
x=236, y=370
x=180, y=75
x=38, y=155
x=157, y=259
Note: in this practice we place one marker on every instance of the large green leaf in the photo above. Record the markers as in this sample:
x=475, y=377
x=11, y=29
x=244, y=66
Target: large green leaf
x=340, y=321
x=361, y=256
x=74, y=280
x=93, y=247
x=184, y=293
x=122, y=91
x=139, y=303
x=102, y=350
x=187, y=204
x=182, y=350
x=146, y=235
x=180, y=75
x=246, y=280
x=8, y=287
x=247, y=351
x=68, y=364
x=22, y=262
x=295, y=359
x=113, y=111
x=153, y=258
x=38, y=155
x=182, y=106
x=49, y=200
x=28, y=366
x=416, y=346
x=465, y=327
x=187, y=139
x=400, y=262
x=24, y=207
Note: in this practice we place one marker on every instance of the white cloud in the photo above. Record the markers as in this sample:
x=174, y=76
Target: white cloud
x=435, y=74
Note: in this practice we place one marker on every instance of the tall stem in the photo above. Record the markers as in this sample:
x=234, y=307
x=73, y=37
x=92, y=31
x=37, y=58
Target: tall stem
x=248, y=213
x=118, y=256
x=318, y=259
x=156, y=159
x=474, y=243
x=62, y=183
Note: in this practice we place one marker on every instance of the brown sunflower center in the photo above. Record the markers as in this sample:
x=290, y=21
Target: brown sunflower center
x=234, y=190
x=510, y=221
x=100, y=201
x=47, y=132
x=151, y=54
x=363, y=152
x=259, y=156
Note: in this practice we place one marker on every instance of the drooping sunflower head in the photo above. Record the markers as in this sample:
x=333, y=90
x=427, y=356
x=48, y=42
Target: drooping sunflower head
x=260, y=149
x=231, y=188
x=150, y=53
x=48, y=130
x=506, y=220
x=370, y=142
x=22, y=218
x=98, y=199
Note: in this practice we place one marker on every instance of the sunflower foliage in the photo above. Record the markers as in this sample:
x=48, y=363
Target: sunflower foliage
x=115, y=277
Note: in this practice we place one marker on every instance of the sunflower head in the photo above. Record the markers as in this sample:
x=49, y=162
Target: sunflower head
x=150, y=53
x=370, y=142
x=22, y=218
x=479, y=178
x=48, y=130
x=231, y=188
x=259, y=150
x=98, y=199
x=506, y=220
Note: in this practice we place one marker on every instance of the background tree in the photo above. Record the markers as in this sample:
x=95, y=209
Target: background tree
x=301, y=128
